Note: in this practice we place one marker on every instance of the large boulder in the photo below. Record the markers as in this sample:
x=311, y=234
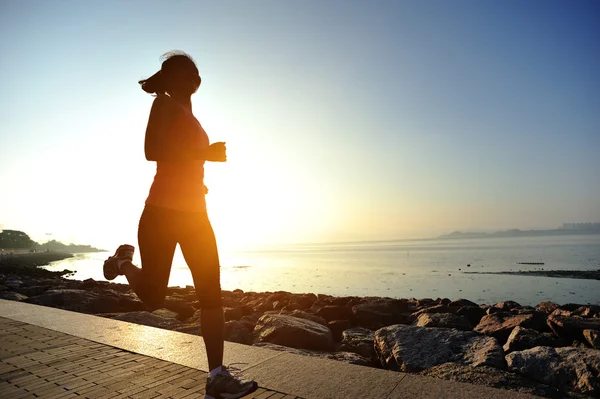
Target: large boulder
x=179, y=306
x=546, y=307
x=572, y=327
x=293, y=332
x=573, y=368
x=473, y=313
x=307, y=316
x=500, y=325
x=435, y=309
x=491, y=377
x=459, y=303
x=12, y=296
x=149, y=319
x=337, y=327
x=105, y=301
x=347, y=357
x=333, y=312
x=522, y=338
x=412, y=348
x=592, y=337
x=236, y=331
x=443, y=320
x=359, y=340
x=507, y=305
x=377, y=314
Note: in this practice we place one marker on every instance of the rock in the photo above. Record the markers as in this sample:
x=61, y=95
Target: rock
x=234, y=313
x=412, y=348
x=332, y=312
x=459, y=303
x=522, y=338
x=546, y=307
x=570, y=307
x=13, y=282
x=347, y=357
x=571, y=328
x=194, y=329
x=491, y=377
x=507, y=305
x=293, y=332
x=179, y=306
x=337, y=327
x=34, y=290
x=377, y=314
x=12, y=296
x=587, y=311
x=444, y=320
x=86, y=301
x=592, y=337
x=561, y=312
x=307, y=316
x=162, y=312
x=236, y=331
x=500, y=325
x=149, y=319
x=577, y=369
x=359, y=340
x=472, y=313
x=435, y=309
x=89, y=284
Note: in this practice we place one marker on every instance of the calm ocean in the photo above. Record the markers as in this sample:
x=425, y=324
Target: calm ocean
x=401, y=269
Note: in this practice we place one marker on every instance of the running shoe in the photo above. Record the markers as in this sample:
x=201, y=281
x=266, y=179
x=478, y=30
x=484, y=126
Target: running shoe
x=227, y=386
x=112, y=265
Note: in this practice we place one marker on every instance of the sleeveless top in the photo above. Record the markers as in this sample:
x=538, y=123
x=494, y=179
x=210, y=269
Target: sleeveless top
x=179, y=185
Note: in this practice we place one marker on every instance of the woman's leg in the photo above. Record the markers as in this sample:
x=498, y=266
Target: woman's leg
x=157, y=242
x=199, y=248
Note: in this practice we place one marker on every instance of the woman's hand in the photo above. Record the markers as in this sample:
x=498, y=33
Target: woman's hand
x=216, y=152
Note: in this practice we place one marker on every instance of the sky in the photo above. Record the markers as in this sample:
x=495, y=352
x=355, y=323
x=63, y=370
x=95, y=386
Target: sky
x=344, y=120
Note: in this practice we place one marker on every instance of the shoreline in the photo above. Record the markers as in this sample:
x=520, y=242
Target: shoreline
x=576, y=274
x=457, y=339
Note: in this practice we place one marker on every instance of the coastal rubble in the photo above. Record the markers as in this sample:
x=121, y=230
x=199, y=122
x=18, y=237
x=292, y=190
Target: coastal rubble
x=550, y=350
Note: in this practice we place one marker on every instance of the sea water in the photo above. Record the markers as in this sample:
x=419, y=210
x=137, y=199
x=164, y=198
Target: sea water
x=401, y=269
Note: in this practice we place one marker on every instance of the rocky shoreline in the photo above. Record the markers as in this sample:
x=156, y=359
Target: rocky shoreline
x=548, y=350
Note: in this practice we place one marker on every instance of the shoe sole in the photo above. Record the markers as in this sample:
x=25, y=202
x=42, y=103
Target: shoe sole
x=231, y=395
x=109, y=274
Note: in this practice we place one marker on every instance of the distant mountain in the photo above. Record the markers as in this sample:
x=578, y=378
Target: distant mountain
x=58, y=246
x=593, y=229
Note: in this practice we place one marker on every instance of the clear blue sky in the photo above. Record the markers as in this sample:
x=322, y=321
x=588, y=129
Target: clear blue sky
x=344, y=119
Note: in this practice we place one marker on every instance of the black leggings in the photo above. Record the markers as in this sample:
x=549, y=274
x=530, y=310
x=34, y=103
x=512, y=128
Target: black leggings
x=159, y=232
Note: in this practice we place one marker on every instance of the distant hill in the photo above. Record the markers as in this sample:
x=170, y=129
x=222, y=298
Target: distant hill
x=523, y=233
x=58, y=246
x=18, y=240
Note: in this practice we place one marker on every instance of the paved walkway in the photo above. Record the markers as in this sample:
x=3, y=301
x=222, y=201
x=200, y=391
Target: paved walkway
x=54, y=353
x=37, y=362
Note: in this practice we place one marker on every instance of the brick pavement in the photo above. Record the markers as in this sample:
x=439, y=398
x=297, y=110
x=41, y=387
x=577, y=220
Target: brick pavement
x=37, y=362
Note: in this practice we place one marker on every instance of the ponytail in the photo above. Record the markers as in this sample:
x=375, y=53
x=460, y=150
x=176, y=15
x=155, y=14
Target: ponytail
x=155, y=84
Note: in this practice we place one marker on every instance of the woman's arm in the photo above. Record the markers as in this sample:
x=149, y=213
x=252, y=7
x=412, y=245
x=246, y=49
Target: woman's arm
x=161, y=144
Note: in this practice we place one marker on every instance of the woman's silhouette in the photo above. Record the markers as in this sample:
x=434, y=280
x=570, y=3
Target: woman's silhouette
x=175, y=212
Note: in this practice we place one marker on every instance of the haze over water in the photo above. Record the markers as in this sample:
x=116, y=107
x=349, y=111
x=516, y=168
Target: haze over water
x=403, y=269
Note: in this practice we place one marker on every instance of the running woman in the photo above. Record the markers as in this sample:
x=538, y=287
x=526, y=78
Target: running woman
x=175, y=213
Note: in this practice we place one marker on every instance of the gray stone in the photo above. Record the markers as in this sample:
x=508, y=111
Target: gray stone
x=162, y=312
x=377, y=314
x=576, y=369
x=436, y=309
x=332, y=312
x=472, y=313
x=443, y=320
x=359, y=340
x=347, y=357
x=507, y=305
x=412, y=348
x=12, y=296
x=308, y=316
x=337, y=327
x=293, y=332
x=236, y=331
x=149, y=319
x=500, y=325
x=592, y=337
x=546, y=307
x=572, y=327
x=522, y=338
x=491, y=377
x=459, y=303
